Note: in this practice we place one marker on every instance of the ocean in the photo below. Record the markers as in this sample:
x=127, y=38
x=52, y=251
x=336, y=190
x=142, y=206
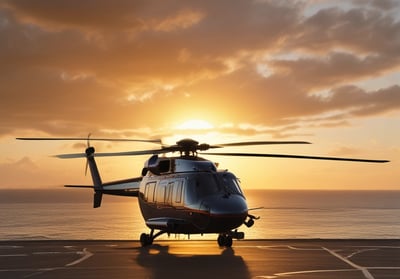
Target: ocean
x=67, y=214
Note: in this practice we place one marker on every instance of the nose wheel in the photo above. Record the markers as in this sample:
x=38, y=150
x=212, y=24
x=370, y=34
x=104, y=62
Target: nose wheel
x=224, y=240
x=145, y=239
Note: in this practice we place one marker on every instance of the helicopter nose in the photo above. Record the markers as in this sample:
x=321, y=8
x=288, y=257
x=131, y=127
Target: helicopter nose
x=226, y=213
x=233, y=205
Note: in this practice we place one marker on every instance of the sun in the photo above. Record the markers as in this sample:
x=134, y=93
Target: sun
x=197, y=129
x=195, y=124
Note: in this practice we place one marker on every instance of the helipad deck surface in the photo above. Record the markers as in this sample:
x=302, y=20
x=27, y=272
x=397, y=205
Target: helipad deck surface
x=201, y=259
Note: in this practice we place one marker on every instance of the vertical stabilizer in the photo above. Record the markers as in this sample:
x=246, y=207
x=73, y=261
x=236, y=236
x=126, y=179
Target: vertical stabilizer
x=94, y=171
x=97, y=199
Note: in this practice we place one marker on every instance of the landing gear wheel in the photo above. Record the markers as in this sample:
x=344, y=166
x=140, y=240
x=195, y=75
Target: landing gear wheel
x=145, y=240
x=228, y=241
x=221, y=240
x=224, y=240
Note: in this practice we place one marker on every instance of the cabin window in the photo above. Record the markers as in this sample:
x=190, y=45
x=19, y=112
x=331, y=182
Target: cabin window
x=160, y=197
x=146, y=191
x=190, y=191
x=168, y=193
x=178, y=192
x=149, y=191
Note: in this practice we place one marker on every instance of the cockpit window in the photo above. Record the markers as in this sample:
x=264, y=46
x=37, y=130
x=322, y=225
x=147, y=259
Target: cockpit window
x=207, y=184
x=236, y=182
x=230, y=183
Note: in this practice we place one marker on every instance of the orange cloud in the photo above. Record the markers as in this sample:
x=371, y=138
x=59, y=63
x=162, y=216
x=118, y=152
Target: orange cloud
x=71, y=67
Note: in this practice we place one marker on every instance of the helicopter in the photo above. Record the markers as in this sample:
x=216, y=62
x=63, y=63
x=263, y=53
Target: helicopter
x=185, y=194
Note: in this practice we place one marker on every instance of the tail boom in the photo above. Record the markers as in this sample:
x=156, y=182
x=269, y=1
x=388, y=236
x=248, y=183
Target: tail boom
x=126, y=187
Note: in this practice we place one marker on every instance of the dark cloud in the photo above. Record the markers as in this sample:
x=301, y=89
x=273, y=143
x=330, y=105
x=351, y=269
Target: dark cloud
x=364, y=103
x=381, y=4
x=334, y=68
x=88, y=15
x=361, y=30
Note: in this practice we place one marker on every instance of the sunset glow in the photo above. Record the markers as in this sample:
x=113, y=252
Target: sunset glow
x=195, y=124
x=324, y=71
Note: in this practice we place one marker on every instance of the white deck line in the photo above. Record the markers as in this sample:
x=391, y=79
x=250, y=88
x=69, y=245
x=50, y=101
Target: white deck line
x=364, y=270
x=312, y=271
x=86, y=255
x=360, y=251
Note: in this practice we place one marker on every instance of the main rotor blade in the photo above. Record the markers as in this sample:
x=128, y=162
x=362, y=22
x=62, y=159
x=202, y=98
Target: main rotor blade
x=296, y=157
x=157, y=141
x=112, y=154
x=131, y=153
x=70, y=156
x=244, y=143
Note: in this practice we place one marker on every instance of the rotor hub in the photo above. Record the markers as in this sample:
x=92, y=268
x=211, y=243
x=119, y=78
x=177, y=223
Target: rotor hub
x=189, y=147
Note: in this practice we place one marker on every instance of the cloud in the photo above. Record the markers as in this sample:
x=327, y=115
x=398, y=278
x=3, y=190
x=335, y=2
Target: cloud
x=73, y=67
x=182, y=20
x=377, y=32
x=88, y=15
x=383, y=4
x=14, y=172
x=334, y=68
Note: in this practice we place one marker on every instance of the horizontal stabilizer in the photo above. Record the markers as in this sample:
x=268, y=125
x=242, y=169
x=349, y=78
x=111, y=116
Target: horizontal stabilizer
x=127, y=187
x=79, y=186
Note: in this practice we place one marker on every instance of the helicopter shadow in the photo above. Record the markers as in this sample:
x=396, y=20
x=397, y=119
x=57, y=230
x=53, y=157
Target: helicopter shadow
x=160, y=262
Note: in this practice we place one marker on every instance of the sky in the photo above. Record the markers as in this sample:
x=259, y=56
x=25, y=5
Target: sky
x=216, y=71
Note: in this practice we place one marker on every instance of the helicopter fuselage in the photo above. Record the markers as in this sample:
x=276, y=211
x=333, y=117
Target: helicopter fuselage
x=189, y=195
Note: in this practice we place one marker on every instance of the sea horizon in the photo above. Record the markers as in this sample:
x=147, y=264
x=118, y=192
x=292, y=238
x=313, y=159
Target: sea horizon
x=67, y=214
